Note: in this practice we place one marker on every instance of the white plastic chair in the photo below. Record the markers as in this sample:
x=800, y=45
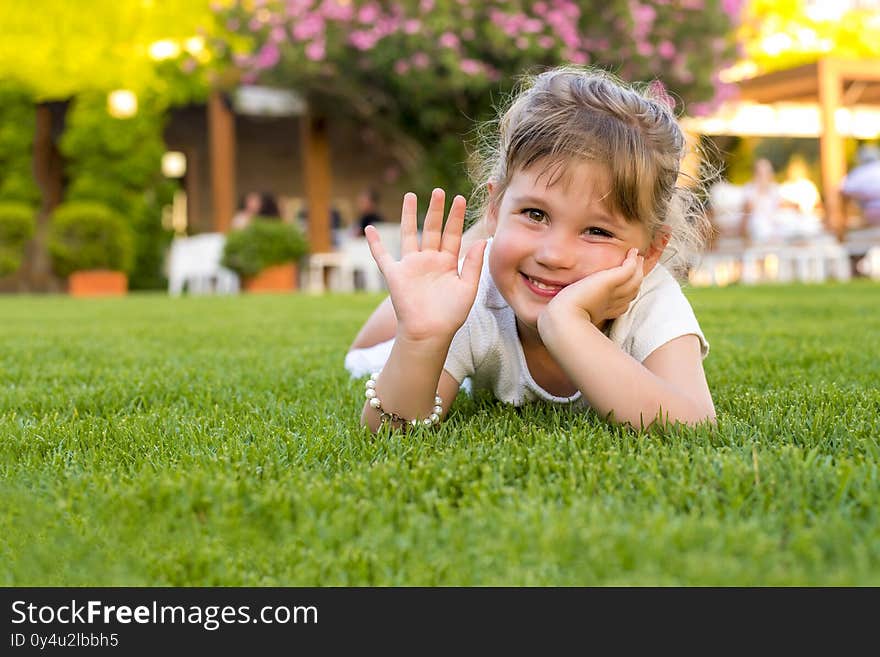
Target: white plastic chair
x=194, y=263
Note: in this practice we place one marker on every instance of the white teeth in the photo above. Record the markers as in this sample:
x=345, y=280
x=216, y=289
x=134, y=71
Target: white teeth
x=543, y=286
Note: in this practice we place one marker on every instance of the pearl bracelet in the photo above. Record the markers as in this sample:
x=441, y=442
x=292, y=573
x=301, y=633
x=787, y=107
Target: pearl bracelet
x=384, y=416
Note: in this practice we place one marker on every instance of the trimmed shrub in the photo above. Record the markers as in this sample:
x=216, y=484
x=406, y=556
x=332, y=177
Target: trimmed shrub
x=84, y=236
x=265, y=242
x=16, y=228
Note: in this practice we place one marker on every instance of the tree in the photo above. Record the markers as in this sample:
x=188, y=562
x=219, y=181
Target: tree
x=780, y=34
x=419, y=73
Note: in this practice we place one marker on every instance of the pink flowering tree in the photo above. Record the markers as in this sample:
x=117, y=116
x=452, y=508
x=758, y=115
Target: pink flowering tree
x=419, y=73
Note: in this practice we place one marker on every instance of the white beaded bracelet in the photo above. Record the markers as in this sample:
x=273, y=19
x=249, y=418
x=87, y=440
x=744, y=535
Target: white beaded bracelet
x=384, y=416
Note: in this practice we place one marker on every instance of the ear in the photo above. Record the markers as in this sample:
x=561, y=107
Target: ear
x=655, y=249
x=490, y=221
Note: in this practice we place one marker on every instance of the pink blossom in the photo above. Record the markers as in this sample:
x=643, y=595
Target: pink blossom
x=426, y=5
x=448, y=40
x=368, y=13
x=277, y=35
x=401, y=67
x=578, y=57
x=732, y=8
x=471, y=66
x=658, y=91
x=546, y=42
x=336, y=11
x=268, y=56
x=308, y=28
x=532, y=26
x=362, y=40
x=644, y=48
x=420, y=60
x=666, y=49
x=412, y=26
x=522, y=43
x=540, y=8
x=316, y=50
x=468, y=34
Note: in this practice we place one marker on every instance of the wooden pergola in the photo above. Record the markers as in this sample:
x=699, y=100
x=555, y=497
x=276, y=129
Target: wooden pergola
x=832, y=83
x=317, y=171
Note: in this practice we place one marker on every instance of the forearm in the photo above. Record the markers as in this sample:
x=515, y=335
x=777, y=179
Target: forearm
x=408, y=383
x=612, y=381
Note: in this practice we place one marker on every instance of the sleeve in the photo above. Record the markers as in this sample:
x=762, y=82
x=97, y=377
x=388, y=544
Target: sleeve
x=662, y=315
x=460, y=359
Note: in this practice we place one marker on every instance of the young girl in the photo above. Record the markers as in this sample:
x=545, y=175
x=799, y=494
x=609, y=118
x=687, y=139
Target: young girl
x=573, y=302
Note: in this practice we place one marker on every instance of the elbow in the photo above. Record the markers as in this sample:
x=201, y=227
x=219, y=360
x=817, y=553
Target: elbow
x=698, y=416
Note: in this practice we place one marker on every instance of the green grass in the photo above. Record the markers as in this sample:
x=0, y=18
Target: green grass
x=215, y=441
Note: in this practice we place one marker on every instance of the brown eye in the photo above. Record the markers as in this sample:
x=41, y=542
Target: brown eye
x=535, y=215
x=598, y=232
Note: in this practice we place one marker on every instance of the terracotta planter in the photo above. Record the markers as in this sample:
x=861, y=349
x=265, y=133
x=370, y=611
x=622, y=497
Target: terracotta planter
x=278, y=278
x=97, y=283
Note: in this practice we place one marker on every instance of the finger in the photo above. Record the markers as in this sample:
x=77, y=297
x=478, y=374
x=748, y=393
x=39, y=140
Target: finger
x=454, y=225
x=409, y=239
x=377, y=249
x=431, y=232
x=617, y=276
x=473, y=263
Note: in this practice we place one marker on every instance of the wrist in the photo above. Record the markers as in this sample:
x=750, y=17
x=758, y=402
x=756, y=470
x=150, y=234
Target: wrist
x=557, y=316
x=423, y=341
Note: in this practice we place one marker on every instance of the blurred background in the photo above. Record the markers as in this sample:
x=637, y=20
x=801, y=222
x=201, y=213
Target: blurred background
x=158, y=139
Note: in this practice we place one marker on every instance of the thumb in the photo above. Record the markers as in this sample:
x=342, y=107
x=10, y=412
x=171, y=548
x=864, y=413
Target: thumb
x=626, y=268
x=377, y=249
x=473, y=263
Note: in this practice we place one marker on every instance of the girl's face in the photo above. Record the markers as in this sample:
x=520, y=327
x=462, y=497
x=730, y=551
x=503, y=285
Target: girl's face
x=547, y=237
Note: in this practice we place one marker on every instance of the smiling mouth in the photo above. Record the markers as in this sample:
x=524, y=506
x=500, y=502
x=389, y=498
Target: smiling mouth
x=542, y=288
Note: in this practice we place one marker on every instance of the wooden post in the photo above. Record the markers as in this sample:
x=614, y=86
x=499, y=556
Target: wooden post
x=221, y=129
x=192, y=186
x=831, y=146
x=316, y=158
x=48, y=173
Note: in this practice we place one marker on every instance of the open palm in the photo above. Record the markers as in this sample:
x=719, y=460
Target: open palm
x=431, y=299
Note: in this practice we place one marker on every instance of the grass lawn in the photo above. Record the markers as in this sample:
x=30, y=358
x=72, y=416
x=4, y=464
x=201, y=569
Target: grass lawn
x=215, y=441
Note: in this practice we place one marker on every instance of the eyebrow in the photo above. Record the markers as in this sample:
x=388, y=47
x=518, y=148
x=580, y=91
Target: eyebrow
x=602, y=216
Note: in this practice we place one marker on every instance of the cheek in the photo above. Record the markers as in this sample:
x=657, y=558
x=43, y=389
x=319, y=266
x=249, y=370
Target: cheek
x=598, y=257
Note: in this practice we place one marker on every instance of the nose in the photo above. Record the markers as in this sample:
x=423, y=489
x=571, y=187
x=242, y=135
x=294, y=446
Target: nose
x=554, y=250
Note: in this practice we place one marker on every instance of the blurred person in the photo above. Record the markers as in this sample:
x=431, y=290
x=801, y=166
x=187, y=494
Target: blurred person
x=862, y=184
x=368, y=211
x=799, y=217
x=303, y=219
x=797, y=191
x=761, y=201
x=269, y=207
x=248, y=208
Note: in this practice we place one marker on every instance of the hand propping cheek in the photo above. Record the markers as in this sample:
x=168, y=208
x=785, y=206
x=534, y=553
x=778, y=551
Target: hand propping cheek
x=606, y=294
x=631, y=274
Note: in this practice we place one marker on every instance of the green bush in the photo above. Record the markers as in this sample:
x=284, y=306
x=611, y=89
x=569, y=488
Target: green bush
x=17, y=127
x=265, y=242
x=16, y=228
x=85, y=236
x=117, y=162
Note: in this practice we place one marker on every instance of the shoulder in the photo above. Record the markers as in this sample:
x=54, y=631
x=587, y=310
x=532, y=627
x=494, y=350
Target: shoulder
x=660, y=313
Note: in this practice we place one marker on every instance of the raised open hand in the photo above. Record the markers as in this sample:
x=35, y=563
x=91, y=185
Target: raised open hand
x=430, y=298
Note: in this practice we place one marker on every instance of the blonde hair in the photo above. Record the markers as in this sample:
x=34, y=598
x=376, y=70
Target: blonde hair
x=580, y=113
